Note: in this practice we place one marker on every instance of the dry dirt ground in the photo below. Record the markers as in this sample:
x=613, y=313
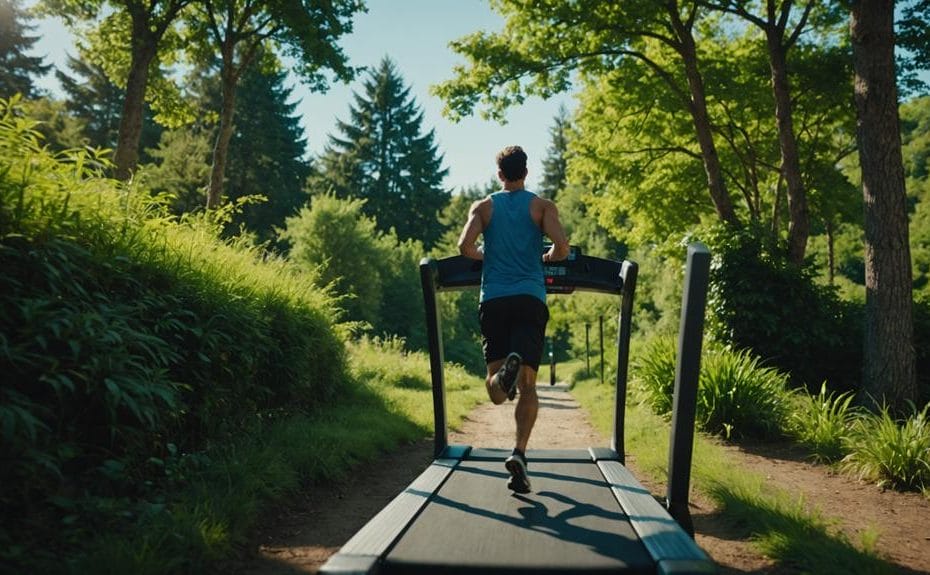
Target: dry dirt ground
x=299, y=536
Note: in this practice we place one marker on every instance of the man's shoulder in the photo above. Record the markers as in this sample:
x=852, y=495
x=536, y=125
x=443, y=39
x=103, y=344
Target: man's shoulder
x=542, y=202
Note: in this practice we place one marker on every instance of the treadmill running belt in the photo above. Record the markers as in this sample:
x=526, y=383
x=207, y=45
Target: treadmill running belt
x=474, y=524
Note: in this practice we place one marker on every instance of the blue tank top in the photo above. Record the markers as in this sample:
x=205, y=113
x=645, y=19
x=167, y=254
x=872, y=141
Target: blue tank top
x=512, y=249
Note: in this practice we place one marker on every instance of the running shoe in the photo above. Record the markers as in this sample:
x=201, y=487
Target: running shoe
x=507, y=375
x=519, y=480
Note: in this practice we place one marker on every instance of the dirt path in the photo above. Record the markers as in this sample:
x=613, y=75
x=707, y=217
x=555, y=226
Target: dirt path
x=300, y=537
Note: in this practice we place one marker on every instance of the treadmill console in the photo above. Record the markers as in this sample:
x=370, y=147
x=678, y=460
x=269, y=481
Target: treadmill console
x=559, y=275
x=575, y=272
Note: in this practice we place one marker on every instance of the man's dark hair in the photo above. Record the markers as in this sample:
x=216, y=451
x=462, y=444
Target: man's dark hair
x=512, y=162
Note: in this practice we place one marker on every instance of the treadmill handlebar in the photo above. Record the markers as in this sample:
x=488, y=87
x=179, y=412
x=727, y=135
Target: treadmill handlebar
x=576, y=272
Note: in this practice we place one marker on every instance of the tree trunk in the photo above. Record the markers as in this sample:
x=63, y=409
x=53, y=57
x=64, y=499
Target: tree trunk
x=798, y=218
x=144, y=46
x=698, y=108
x=221, y=148
x=888, y=371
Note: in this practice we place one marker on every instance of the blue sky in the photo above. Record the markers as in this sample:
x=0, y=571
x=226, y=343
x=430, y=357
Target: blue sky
x=415, y=34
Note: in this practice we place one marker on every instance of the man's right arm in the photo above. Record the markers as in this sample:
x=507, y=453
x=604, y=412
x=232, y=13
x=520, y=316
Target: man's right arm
x=552, y=227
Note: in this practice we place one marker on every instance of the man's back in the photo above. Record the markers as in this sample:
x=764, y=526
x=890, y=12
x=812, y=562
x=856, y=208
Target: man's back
x=512, y=248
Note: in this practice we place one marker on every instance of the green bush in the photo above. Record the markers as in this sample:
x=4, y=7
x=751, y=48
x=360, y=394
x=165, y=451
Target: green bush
x=891, y=452
x=760, y=301
x=124, y=335
x=653, y=369
x=737, y=397
x=821, y=422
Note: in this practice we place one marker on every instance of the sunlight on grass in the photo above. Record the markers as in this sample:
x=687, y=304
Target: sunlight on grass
x=780, y=525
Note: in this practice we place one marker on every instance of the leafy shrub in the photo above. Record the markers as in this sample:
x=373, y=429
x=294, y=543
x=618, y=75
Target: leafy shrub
x=654, y=371
x=737, y=397
x=123, y=331
x=821, y=422
x=762, y=302
x=890, y=452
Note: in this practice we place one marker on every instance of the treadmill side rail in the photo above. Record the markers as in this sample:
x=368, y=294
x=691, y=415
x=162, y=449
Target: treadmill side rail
x=362, y=553
x=673, y=550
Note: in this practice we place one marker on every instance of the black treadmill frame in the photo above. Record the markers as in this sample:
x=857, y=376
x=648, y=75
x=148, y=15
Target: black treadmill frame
x=592, y=274
x=665, y=530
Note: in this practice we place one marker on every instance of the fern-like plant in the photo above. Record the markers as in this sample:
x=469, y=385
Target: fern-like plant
x=890, y=452
x=822, y=422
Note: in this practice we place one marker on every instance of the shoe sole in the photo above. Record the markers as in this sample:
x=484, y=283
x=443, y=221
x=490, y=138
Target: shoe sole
x=519, y=481
x=512, y=364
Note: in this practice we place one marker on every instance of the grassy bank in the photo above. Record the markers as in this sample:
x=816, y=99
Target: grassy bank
x=161, y=385
x=387, y=402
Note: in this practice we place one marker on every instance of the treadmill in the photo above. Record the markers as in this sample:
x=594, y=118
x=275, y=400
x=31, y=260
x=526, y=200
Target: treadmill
x=587, y=513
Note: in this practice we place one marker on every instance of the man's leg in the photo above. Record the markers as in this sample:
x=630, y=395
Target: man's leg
x=527, y=407
x=497, y=395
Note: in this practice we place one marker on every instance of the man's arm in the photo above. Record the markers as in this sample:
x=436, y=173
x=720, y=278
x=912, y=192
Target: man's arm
x=552, y=227
x=473, y=228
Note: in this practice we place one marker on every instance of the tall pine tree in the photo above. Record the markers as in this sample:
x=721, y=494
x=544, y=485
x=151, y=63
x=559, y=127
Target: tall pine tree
x=267, y=152
x=555, y=164
x=17, y=68
x=384, y=157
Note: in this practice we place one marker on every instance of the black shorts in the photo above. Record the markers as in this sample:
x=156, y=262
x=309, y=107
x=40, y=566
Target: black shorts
x=513, y=323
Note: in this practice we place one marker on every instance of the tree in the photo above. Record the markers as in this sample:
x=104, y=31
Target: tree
x=240, y=30
x=97, y=102
x=142, y=25
x=334, y=237
x=555, y=164
x=544, y=42
x=888, y=373
x=913, y=35
x=17, y=68
x=781, y=34
x=384, y=157
x=266, y=153
x=180, y=167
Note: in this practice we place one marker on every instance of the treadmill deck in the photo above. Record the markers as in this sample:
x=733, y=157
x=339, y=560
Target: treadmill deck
x=474, y=524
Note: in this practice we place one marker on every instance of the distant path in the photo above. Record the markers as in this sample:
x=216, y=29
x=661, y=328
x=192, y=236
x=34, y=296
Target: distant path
x=561, y=423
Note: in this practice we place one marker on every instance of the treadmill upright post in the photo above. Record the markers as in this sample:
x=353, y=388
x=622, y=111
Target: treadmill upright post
x=628, y=273
x=428, y=271
x=687, y=371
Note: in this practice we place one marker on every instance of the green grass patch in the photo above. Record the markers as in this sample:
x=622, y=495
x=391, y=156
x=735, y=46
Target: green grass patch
x=779, y=525
x=389, y=402
x=737, y=396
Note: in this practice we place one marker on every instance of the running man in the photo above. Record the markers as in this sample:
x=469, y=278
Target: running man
x=512, y=307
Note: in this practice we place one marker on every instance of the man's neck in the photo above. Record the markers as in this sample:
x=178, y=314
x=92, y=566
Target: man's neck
x=514, y=185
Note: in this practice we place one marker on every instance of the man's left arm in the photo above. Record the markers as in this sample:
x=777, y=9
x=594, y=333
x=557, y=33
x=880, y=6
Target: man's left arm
x=552, y=227
x=473, y=228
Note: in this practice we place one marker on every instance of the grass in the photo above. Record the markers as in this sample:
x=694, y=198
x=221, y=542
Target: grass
x=780, y=525
x=891, y=452
x=389, y=403
x=821, y=423
x=162, y=385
